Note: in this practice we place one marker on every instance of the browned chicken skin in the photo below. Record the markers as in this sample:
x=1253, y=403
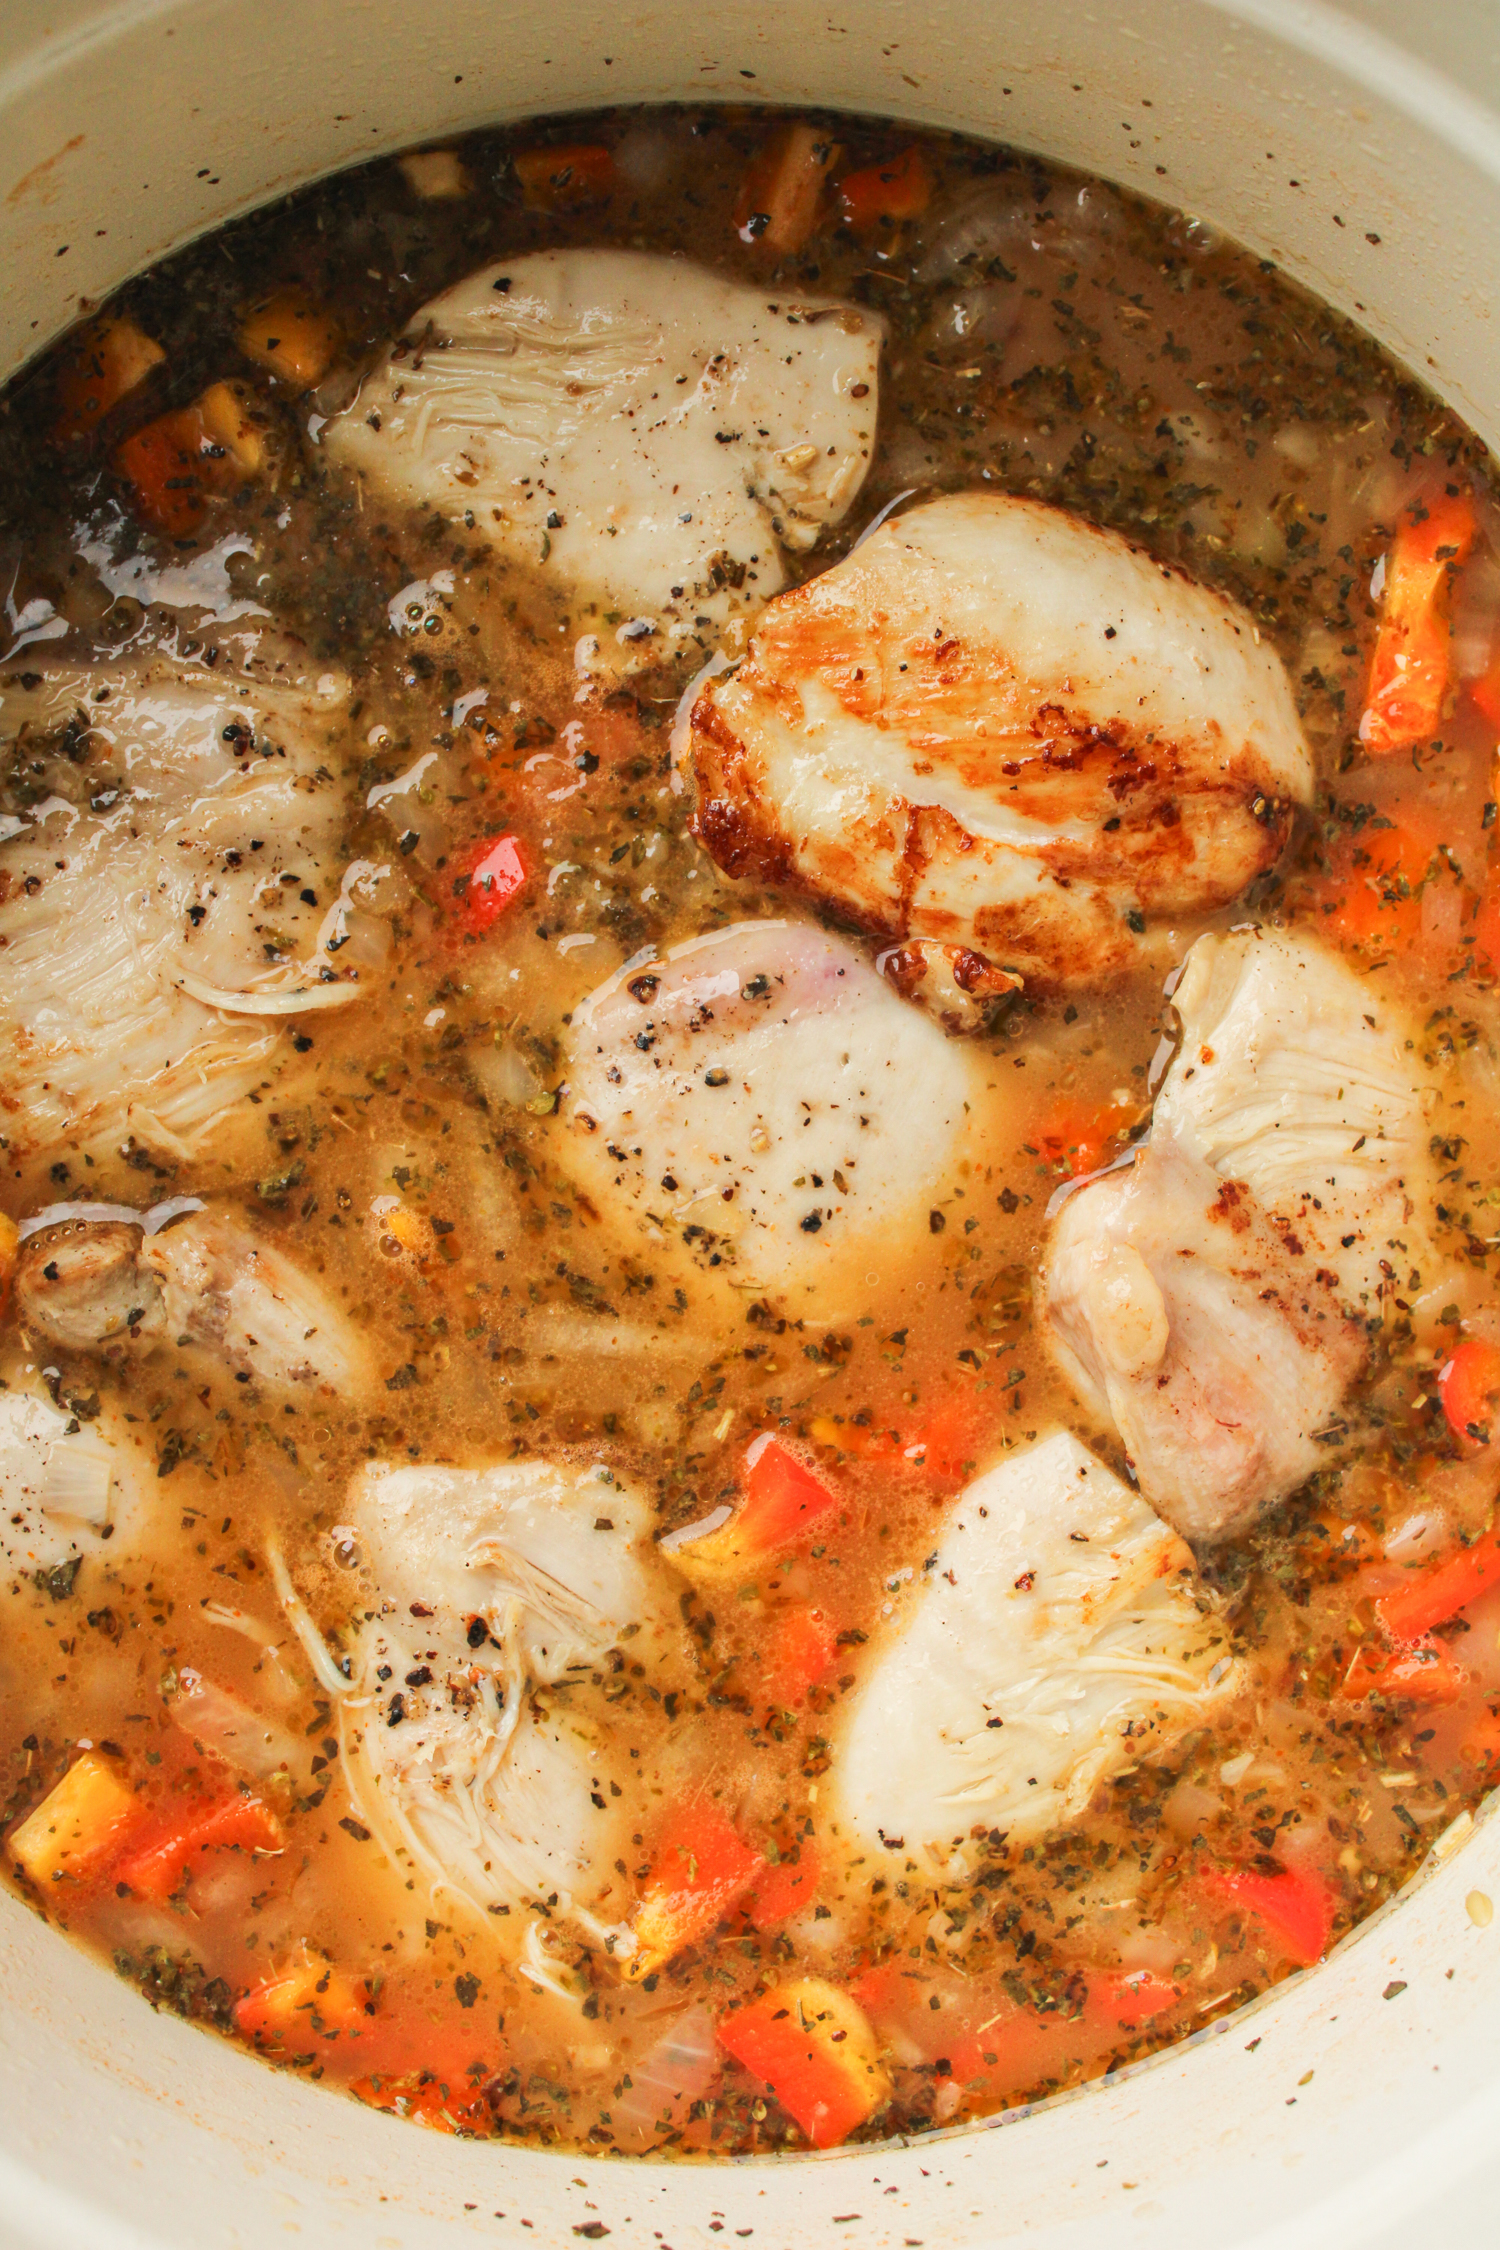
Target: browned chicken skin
x=997, y=727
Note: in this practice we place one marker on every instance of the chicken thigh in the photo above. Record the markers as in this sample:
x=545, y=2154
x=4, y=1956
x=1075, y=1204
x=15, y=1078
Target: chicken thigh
x=1216, y=1299
x=999, y=728
x=653, y=433
x=117, y=1283
x=762, y=1096
x=496, y=1585
x=1057, y=1634
x=170, y=887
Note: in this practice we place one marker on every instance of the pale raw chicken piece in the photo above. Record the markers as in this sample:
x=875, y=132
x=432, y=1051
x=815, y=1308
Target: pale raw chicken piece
x=170, y=887
x=1058, y=1634
x=494, y=1585
x=651, y=433
x=997, y=727
x=120, y=1283
x=1216, y=1300
x=68, y=1487
x=763, y=1096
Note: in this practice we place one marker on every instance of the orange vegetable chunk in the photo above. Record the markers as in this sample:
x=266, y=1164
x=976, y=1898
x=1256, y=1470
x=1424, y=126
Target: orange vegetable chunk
x=811, y=2046
x=1294, y=1906
x=111, y=359
x=497, y=876
x=79, y=1824
x=899, y=188
x=1436, y=1594
x=1469, y=1385
x=163, y=1865
x=782, y=1891
x=801, y=1649
x=781, y=195
x=1081, y=1138
x=313, y=2000
x=291, y=338
x=702, y=1865
x=1426, y=1673
x=562, y=178
x=167, y=471
x=783, y=1503
x=1410, y=671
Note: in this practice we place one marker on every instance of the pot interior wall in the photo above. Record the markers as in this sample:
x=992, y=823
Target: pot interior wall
x=1332, y=2116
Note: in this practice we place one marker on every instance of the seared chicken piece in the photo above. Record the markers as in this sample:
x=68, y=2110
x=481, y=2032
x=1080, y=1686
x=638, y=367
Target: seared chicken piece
x=496, y=1584
x=761, y=1095
x=998, y=727
x=1058, y=1634
x=67, y=1486
x=108, y=1285
x=169, y=886
x=1216, y=1300
x=652, y=433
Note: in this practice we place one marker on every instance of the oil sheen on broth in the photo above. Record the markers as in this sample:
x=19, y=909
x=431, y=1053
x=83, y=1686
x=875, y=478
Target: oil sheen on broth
x=748, y=1065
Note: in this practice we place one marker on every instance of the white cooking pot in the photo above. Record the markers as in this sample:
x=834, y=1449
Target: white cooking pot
x=1360, y=148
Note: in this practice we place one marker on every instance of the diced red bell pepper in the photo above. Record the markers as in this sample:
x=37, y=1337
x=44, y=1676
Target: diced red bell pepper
x=1435, y=1595
x=788, y=1888
x=1128, y=1998
x=1411, y=667
x=1372, y=895
x=900, y=188
x=783, y=1503
x=781, y=196
x=1427, y=1673
x=1081, y=1139
x=498, y=874
x=802, y=1646
x=1469, y=1385
x=811, y=2046
x=1294, y=1906
x=561, y=178
x=701, y=1866
x=163, y=1865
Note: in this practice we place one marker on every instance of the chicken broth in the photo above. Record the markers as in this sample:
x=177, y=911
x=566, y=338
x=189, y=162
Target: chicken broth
x=749, y=1061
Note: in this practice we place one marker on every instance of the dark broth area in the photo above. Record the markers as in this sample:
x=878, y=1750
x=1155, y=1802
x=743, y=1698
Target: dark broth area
x=1053, y=337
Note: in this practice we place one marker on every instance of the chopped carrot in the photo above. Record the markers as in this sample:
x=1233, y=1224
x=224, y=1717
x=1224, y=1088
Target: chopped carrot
x=313, y=2000
x=1469, y=1385
x=701, y=1866
x=779, y=1892
x=79, y=1824
x=1410, y=670
x=802, y=1647
x=881, y=194
x=1294, y=1906
x=291, y=338
x=1082, y=1140
x=781, y=195
x=111, y=359
x=811, y=2046
x=562, y=178
x=162, y=1865
x=1435, y=1595
x=498, y=874
x=783, y=1502
x=1426, y=1673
